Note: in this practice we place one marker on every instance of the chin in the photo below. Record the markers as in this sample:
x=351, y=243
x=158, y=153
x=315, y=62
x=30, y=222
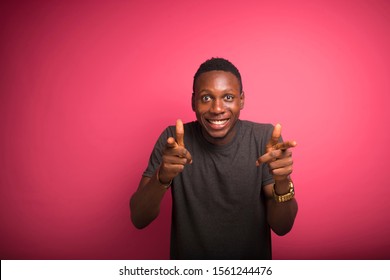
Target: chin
x=217, y=135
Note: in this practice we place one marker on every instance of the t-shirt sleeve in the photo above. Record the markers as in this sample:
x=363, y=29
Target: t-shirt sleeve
x=156, y=155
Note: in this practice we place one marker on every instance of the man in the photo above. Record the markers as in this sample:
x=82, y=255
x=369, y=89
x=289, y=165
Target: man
x=230, y=179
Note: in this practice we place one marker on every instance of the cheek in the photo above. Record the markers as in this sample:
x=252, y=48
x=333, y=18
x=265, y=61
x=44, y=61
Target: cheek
x=234, y=107
x=201, y=108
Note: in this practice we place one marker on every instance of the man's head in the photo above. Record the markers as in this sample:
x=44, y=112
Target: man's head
x=218, y=64
x=217, y=99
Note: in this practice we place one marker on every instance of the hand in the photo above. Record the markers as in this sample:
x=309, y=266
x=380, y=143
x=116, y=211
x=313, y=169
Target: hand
x=175, y=156
x=278, y=156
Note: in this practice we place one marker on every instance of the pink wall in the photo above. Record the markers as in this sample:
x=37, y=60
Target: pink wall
x=85, y=90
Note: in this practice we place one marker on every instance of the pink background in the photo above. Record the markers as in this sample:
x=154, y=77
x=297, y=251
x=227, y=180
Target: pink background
x=86, y=89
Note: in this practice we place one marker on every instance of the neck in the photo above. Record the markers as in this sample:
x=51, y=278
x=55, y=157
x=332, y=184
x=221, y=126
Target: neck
x=221, y=141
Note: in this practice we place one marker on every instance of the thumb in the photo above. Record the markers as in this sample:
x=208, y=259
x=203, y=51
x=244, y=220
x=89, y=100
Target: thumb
x=180, y=133
x=276, y=133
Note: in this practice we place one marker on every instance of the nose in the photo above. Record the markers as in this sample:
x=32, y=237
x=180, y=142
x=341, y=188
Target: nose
x=217, y=107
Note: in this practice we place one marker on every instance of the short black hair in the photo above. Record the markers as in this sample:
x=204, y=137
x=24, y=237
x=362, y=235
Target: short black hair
x=217, y=64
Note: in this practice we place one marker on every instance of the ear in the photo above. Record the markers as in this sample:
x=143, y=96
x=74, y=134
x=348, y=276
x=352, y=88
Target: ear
x=193, y=101
x=242, y=100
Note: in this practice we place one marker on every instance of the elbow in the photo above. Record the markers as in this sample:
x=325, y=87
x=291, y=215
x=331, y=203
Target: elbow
x=137, y=223
x=141, y=222
x=283, y=225
x=137, y=219
x=140, y=218
x=282, y=231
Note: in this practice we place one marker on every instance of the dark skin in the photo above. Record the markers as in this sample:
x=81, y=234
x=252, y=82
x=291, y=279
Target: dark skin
x=280, y=216
x=145, y=202
x=217, y=102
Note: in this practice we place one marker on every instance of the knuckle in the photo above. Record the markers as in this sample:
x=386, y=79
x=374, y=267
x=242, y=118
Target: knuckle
x=184, y=152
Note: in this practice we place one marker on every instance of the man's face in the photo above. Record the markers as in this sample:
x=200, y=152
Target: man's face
x=217, y=102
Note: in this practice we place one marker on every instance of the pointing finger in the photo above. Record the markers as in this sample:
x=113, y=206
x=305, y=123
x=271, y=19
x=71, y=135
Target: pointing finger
x=180, y=133
x=285, y=145
x=268, y=157
x=278, y=151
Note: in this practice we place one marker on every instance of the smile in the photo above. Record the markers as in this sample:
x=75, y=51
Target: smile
x=218, y=122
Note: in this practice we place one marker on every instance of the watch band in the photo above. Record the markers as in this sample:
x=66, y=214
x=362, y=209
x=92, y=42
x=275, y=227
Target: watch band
x=285, y=197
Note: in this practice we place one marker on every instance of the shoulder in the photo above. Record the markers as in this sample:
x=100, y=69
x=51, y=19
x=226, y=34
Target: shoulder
x=258, y=129
x=190, y=129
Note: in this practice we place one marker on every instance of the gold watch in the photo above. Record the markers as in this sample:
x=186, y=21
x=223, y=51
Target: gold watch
x=285, y=197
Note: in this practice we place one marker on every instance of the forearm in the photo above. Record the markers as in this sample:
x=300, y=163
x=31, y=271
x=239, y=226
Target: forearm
x=281, y=215
x=145, y=202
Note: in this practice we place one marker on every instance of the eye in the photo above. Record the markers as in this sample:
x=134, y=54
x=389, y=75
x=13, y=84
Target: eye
x=229, y=97
x=206, y=98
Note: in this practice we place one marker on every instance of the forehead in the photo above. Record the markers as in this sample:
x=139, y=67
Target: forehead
x=217, y=80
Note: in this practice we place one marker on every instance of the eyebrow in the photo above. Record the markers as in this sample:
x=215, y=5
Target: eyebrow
x=206, y=91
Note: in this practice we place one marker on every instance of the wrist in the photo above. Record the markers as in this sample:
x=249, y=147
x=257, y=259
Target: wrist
x=165, y=183
x=282, y=186
x=286, y=196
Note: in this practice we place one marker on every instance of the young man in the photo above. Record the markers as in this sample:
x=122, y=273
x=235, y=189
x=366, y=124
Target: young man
x=230, y=179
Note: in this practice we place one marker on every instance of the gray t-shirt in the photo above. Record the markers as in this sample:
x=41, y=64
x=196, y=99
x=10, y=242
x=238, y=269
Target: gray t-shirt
x=218, y=205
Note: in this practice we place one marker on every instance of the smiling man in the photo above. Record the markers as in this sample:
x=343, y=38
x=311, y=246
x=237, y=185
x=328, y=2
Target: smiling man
x=230, y=179
x=217, y=101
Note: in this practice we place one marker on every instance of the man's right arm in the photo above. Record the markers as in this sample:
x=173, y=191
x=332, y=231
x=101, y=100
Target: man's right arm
x=145, y=202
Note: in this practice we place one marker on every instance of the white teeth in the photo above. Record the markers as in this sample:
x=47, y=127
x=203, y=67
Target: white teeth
x=218, y=122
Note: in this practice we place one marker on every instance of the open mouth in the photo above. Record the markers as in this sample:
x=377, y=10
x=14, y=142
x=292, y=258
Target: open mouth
x=218, y=122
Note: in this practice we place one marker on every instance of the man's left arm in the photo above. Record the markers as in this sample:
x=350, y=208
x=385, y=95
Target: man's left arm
x=281, y=205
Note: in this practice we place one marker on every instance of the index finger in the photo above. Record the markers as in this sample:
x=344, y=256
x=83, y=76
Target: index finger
x=285, y=145
x=180, y=133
